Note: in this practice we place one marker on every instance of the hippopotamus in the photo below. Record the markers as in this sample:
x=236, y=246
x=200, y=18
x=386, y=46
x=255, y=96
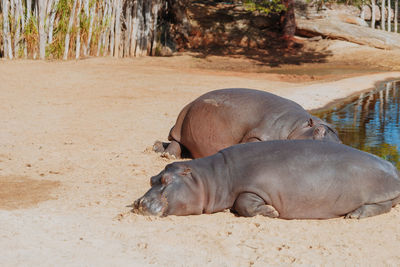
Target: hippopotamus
x=288, y=179
x=225, y=117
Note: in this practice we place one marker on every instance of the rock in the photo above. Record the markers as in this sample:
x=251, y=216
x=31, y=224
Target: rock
x=315, y=38
x=334, y=29
x=352, y=20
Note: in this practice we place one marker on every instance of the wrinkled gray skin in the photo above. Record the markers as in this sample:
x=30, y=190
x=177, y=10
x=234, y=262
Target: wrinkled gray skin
x=296, y=179
x=222, y=118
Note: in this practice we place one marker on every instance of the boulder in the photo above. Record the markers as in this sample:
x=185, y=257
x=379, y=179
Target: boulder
x=335, y=29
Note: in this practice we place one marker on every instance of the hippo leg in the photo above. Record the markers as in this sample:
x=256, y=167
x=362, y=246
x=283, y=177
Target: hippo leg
x=249, y=205
x=369, y=210
x=159, y=146
x=173, y=149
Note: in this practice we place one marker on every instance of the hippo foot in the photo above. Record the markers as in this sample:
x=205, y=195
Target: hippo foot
x=369, y=210
x=159, y=146
x=167, y=155
x=249, y=205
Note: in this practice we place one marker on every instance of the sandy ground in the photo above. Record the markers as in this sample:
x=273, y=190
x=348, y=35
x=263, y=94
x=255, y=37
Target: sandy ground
x=75, y=151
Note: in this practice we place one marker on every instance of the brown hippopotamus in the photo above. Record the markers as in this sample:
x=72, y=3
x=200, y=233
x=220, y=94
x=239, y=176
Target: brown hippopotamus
x=292, y=179
x=222, y=118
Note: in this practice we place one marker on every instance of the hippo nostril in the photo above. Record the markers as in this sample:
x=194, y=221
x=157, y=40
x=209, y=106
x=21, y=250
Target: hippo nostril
x=137, y=203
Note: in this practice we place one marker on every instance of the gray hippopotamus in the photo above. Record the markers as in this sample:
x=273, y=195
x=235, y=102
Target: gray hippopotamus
x=292, y=179
x=222, y=118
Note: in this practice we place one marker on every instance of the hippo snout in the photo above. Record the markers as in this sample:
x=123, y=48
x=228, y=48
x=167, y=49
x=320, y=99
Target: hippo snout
x=136, y=204
x=146, y=206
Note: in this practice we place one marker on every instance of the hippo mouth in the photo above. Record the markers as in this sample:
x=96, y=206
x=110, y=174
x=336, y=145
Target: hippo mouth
x=150, y=207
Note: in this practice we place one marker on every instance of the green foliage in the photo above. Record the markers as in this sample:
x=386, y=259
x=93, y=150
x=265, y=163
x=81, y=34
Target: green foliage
x=265, y=6
x=357, y=3
x=56, y=48
x=31, y=34
x=387, y=152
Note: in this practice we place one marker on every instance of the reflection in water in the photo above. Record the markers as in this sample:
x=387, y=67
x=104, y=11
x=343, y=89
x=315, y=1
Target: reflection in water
x=371, y=122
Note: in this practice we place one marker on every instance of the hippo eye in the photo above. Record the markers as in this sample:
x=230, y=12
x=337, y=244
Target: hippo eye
x=154, y=180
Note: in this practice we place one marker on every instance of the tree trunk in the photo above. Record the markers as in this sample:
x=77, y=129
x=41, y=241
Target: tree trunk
x=389, y=21
x=121, y=27
x=7, y=48
x=92, y=15
x=373, y=14
x=102, y=35
x=396, y=15
x=135, y=27
x=140, y=32
x=117, y=27
x=383, y=21
x=78, y=33
x=288, y=20
x=28, y=17
x=42, y=33
x=362, y=15
x=112, y=28
x=155, y=21
x=51, y=22
x=86, y=11
x=67, y=36
x=18, y=19
x=146, y=37
x=128, y=31
x=107, y=34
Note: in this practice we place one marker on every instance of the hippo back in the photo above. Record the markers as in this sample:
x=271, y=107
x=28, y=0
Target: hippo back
x=225, y=117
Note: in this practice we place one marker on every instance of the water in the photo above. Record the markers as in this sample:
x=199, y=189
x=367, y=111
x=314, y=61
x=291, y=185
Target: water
x=371, y=122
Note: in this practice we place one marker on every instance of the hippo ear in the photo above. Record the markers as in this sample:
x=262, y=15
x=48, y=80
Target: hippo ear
x=154, y=180
x=319, y=132
x=310, y=122
x=166, y=179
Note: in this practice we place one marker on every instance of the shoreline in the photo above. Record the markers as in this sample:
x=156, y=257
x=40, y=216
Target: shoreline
x=325, y=95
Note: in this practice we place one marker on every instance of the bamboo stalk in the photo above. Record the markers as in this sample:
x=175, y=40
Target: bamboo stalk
x=121, y=28
x=6, y=31
x=27, y=18
x=42, y=34
x=389, y=21
x=373, y=18
x=107, y=33
x=127, y=32
x=396, y=15
x=51, y=21
x=383, y=8
x=140, y=29
x=156, y=8
x=102, y=30
x=112, y=28
x=117, y=27
x=148, y=23
x=18, y=19
x=135, y=29
x=67, y=36
x=78, y=34
x=92, y=15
